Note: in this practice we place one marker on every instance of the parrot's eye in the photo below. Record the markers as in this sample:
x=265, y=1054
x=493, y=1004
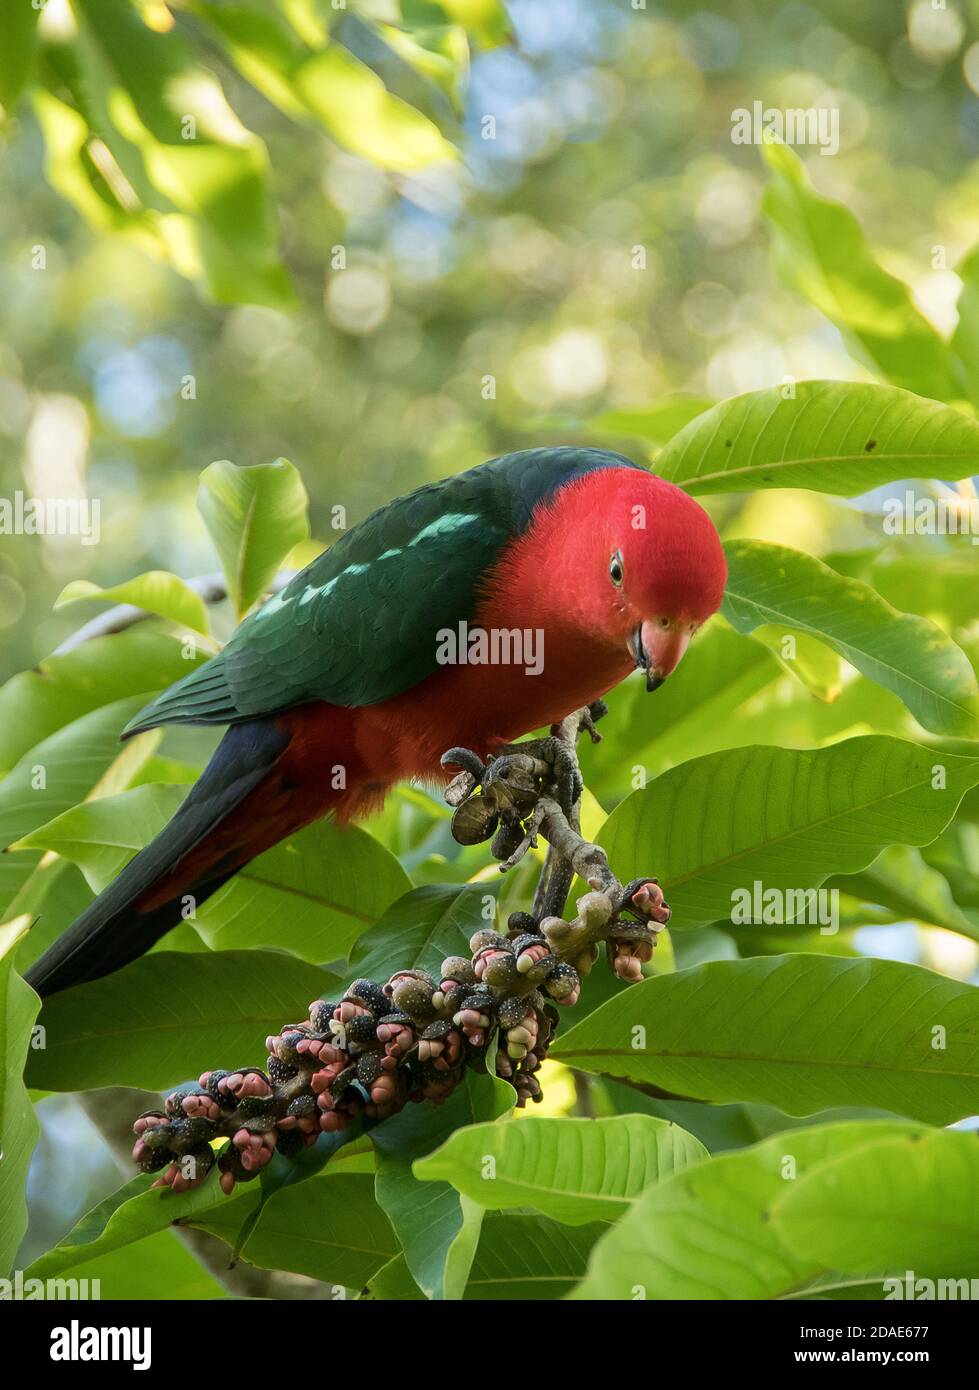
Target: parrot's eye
x=615, y=569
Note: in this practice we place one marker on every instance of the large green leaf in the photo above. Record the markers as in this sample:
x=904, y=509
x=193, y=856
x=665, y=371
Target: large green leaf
x=770, y=584
x=255, y=516
x=707, y=1234
x=18, y=1124
x=170, y=1016
x=904, y=1202
x=527, y=1258
x=801, y=1032
x=157, y=591
x=127, y=1215
x=421, y=928
x=57, y=773
x=575, y=1171
x=330, y=1228
x=713, y=827
x=364, y=117
x=842, y=437
x=199, y=190
x=821, y=251
x=328, y=85
x=312, y=894
x=691, y=715
x=901, y=880
x=437, y=1229
x=18, y=42
x=61, y=688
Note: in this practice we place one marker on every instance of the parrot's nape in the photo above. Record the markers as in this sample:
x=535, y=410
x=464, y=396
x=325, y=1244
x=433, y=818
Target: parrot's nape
x=348, y=681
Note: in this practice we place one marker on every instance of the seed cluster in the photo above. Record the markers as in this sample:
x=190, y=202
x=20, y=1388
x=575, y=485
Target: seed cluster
x=369, y=1054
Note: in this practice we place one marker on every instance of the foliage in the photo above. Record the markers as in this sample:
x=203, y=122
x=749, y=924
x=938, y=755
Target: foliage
x=819, y=735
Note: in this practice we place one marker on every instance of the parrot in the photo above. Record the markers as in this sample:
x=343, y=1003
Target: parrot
x=343, y=683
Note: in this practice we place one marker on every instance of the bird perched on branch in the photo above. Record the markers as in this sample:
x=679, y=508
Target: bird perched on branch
x=467, y=613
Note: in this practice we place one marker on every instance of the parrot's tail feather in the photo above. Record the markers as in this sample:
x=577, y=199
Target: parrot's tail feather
x=219, y=827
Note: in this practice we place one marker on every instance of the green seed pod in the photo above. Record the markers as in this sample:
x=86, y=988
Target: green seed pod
x=279, y=1072
x=562, y=981
x=154, y=1159
x=343, y=1082
x=501, y=973
x=291, y=1143
x=363, y=1029
x=173, y=1103
x=186, y=1134
x=302, y=1107
x=370, y=994
x=459, y=969
x=368, y=1068
x=513, y=1011
x=486, y=937
x=413, y=996
x=522, y=924
x=320, y=1013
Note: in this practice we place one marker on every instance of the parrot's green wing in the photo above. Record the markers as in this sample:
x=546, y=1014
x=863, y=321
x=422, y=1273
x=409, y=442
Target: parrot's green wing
x=359, y=624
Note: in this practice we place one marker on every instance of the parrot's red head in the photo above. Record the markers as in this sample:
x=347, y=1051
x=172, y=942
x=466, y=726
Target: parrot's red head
x=620, y=562
x=663, y=568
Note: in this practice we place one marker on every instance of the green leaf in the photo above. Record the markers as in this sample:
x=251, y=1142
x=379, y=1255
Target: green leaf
x=801, y=1032
x=353, y=104
x=654, y=423
x=901, y=880
x=692, y=714
x=57, y=773
x=713, y=827
x=157, y=1268
x=18, y=44
x=573, y=1170
x=102, y=836
x=128, y=1215
x=805, y=658
x=61, y=688
x=705, y=1234
x=770, y=584
x=18, y=1123
x=529, y=1258
x=421, y=928
x=842, y=437
x=821, y=251
x=905, y=1202
x=201, y=192
x=437, y=1230
x=255, y=516
x=330, y=1228
x=155, y=592
x=170, y=1016
x=312, y=894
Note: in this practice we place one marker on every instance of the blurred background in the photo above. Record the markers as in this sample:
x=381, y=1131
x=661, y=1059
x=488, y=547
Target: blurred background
x=538, y=230
x=604, y=249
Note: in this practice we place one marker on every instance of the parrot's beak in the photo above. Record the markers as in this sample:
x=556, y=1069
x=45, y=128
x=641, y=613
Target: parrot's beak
x=658, y=650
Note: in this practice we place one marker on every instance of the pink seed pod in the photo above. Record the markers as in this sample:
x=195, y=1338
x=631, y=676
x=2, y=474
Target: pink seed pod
x=648, y=898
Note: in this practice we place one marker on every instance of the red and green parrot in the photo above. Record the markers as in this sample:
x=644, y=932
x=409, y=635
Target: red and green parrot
x=334, y=690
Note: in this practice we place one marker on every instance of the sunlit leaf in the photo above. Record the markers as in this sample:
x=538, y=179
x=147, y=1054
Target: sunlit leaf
x=157, y=592
x=575, y=1171
x=254, y=516
x=770, y=584
x=821, y=251
x=842, y=437
x=180, y=1015
x=18, y=1124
